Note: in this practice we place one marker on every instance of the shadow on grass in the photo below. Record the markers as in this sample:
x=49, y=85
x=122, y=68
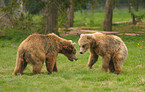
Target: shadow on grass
x=32, y=74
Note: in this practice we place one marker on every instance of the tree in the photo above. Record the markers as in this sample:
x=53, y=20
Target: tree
x=108, y=15
x=54, y=8
x=33, y=6
x=134, y=7
x=70, y=12
x=50, y=17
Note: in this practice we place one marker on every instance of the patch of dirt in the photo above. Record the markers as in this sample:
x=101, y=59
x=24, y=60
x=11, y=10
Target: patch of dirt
x=124, y=30
x=140, y=66
x=141, y=24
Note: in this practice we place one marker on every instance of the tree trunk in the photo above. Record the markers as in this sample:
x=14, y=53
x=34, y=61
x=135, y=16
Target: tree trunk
x=133, y=18
x=50, y=18
x=2, y=3
x=70, y=12
x=108, y=15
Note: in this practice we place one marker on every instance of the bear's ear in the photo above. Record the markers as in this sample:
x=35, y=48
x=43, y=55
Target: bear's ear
x=70, y=41
x=89, y=36
x=73, y=44
x=82, y=35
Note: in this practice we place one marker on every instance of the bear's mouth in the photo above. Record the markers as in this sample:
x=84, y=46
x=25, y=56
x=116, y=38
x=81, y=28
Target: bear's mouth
x=72, y=59
x=75, y=59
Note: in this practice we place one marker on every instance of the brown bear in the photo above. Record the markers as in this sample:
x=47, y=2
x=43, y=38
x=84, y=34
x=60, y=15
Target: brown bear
x=110, y=47
x=37, y=49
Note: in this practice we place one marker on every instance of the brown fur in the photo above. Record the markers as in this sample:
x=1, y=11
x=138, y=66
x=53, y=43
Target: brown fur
x=112, y=49
x=37, y=49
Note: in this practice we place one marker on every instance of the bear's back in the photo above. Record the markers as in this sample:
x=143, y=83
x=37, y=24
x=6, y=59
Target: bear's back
x=39, y=42
x=108, y=43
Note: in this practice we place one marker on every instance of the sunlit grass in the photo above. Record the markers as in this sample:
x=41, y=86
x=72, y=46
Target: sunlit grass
x=74, y=76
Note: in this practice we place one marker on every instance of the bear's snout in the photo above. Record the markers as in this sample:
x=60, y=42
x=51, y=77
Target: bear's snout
x=76, y=59
x=73, y=58
x=81, y=52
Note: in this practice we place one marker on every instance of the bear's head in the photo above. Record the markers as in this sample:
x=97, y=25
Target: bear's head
x=69, y=51
x=84, y=42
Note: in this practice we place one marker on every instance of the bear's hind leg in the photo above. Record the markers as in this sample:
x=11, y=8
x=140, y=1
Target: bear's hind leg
x=118, y=68
x=50, y=63
x=55, y=67
x=111, y=66
x=119, y=58
x=23, y=66
x=20, y=66
x=37, y=67
x=118, y=62
x=105, y=63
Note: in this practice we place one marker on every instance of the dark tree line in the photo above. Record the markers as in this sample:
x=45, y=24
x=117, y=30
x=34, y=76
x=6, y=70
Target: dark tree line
x=51, y=9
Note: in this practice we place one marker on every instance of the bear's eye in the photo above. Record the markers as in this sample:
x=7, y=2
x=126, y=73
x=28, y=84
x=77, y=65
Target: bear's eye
x=83, y=46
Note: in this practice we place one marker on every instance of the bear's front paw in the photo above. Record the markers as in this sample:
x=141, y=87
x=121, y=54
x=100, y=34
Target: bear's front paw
x=117, y=73
x=49, y=73
x=18, y=74
x=89, y=67
x=41, y=72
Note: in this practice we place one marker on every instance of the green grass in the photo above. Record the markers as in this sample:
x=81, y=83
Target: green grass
x=74, y=76
x=97, y=18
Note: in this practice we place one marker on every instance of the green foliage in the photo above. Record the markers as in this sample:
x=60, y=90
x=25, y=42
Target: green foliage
x=84, y=4
x=134, y=6
x=63, y=14
x=34, y=6
x=17, y=16
x=10, y=6
x=15, y=35
x=25, y=22
x=116, y=3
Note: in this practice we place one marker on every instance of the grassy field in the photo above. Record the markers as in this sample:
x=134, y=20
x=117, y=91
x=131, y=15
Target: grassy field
x=74, y=76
